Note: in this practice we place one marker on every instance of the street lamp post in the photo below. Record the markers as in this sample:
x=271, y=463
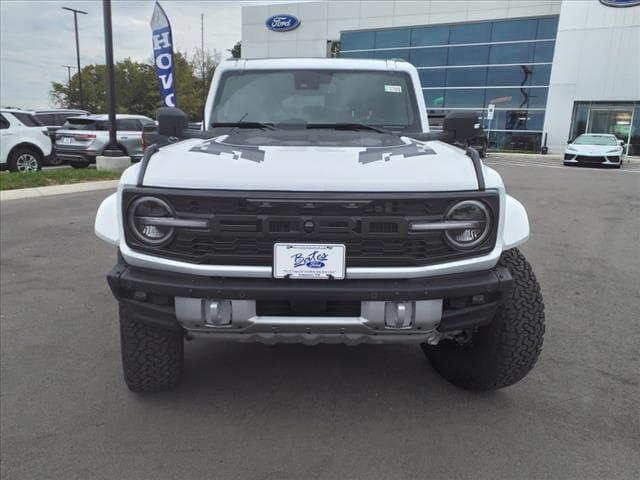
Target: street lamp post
x=68, y=67
x=75, y=23
x=112, y=149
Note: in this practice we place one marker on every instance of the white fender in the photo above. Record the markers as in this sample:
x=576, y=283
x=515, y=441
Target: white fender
x=516, y=224
x=106, y=226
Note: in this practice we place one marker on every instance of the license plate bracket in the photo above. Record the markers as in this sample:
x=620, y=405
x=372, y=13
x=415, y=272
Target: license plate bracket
x=309, y=261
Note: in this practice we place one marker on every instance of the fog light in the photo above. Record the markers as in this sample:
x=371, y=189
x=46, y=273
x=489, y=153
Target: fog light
x=217, y=313
x=398, y=314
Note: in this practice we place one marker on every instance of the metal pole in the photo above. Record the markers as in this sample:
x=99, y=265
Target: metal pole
x=204, y=75
x=112, y=149
x=68, y=67
x=75, y=23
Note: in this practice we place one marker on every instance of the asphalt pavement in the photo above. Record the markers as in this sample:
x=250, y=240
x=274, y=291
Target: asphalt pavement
x=333, y=412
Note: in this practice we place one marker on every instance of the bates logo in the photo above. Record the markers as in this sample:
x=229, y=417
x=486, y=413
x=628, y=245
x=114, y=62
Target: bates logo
x=282, y=23
x=620, y=3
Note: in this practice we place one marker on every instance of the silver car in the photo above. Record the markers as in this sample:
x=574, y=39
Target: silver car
x=82, y=139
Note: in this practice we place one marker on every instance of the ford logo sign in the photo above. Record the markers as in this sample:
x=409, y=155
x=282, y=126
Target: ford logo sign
x=620, y=3
x=282, y=23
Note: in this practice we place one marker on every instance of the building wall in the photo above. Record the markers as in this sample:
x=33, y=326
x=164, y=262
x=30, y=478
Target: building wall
x=322, y=21
x=597, y=58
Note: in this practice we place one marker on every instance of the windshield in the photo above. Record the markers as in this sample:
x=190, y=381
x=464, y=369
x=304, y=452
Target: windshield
x=320, y=97
x=85, y=124
x=596, y=140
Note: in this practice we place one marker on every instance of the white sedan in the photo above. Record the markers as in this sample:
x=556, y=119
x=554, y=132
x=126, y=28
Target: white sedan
x=595, y=149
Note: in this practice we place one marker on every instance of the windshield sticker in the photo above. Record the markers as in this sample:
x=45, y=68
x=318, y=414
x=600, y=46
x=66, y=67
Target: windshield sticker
x=236, y=152
x=411, y=149
x=393, y=88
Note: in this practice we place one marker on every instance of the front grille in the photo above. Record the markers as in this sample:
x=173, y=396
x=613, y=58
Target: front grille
x=585, y=159
x=243, y=229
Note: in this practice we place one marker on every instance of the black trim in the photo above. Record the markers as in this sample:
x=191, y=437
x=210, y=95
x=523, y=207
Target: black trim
x=477, y=166
x=125, y=278
x=148, y=153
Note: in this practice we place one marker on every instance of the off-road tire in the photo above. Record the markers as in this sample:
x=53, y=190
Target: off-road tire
x=152, y=357
x=503, y=352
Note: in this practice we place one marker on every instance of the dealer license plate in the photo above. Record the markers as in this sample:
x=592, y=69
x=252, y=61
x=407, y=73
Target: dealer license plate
x=306, y=261
x=66, y=139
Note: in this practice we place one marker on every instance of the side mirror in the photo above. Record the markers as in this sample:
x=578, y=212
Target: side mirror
x=171, y=122
x=461, y=126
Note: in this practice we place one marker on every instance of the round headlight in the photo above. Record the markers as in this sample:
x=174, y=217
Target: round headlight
x=147, y=219
x=475, y=224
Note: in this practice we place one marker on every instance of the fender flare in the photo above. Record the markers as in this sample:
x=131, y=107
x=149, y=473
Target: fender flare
x=106, y=224
x=516, y=224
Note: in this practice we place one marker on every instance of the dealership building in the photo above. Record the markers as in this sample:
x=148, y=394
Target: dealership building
x=539, y=72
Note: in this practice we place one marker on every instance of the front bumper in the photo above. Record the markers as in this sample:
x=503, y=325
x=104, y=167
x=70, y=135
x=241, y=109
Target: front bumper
x=575, y=159
x=250, y=309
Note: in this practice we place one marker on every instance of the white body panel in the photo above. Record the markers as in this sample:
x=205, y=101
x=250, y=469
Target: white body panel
x=18, y=133
x=314, y=169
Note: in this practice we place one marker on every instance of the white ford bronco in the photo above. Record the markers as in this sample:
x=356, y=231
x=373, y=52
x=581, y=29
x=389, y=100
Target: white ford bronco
x=316, y=206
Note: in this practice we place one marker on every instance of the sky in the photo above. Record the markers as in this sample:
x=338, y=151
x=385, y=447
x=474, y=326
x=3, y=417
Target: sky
x=37, y=38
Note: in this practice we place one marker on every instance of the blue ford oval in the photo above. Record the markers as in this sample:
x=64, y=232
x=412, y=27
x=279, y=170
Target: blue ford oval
x=282, y=23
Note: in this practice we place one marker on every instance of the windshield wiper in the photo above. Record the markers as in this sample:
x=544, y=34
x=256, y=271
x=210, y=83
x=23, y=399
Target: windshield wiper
x=348, y=126
x=263, y=126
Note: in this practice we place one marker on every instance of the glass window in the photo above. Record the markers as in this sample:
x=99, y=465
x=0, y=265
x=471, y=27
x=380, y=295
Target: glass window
x=470, y=33
x=4, y=123
x=579, y=122
x=517, y=120
x=514, y=30
x=508, y=97
x=602, y=140
x=506, y=76
x=468, y=55
x=392, y=54
x=433, y=77
x=128, y=124
x=356, y=40
x=541, y=75
x=538, y=97
x=317, y=96
x=465, y=98
x=547, y=27
x=518, y=141
x=392, y=38
x=430, y=36
x=434, y=99
x=544, y=51
x=47, y=118
x=512, y=53
x=466, y=77
x=27, y=119
x=428, y=57
x=367, y=54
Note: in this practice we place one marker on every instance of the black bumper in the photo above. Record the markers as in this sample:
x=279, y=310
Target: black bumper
x=149, y=294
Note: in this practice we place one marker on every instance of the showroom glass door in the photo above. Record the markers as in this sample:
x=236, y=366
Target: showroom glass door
x=615, y=119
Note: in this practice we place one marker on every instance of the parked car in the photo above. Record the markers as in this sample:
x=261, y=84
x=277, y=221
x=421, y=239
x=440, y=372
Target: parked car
x=317, y=207
x=82, y=139
x=24, y=142
x=595, y=149
x=53, y=120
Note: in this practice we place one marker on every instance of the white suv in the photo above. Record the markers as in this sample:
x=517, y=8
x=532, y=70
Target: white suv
x=24, y=143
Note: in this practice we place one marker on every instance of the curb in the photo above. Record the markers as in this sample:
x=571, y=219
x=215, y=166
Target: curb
x=57, y=190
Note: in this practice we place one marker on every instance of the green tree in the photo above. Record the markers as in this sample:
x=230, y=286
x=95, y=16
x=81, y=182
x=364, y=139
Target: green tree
x=137, y=89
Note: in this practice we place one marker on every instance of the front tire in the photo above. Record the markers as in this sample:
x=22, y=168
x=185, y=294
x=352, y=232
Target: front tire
x=503, y=352
x=25, y=160
x=152, y=357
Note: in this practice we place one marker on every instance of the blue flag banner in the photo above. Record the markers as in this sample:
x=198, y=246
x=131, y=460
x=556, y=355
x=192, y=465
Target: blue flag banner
x=163, y=55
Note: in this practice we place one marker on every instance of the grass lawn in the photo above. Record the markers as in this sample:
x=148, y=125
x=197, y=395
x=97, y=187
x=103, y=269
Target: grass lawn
x=44, y=178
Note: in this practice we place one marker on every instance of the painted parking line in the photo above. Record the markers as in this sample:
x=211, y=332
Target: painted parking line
x=626, y=167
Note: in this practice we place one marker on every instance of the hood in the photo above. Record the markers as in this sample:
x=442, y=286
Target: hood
x=592, y=149
x=293, y=161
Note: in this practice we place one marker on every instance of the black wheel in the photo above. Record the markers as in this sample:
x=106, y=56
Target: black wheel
x=78, y=163
x=503, y=352
x=152, y=357
x=25, y=160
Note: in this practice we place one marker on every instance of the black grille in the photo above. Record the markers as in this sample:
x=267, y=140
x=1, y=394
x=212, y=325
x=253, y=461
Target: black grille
x=243, y=229
x=585, y=159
